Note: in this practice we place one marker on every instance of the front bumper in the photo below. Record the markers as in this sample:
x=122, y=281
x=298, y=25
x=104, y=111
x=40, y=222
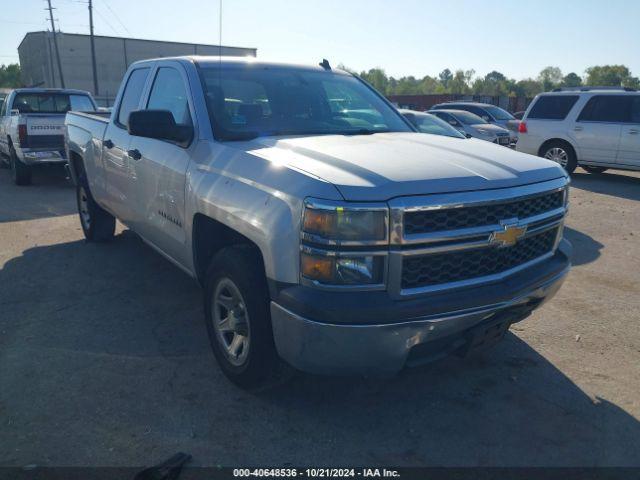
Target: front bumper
x=313, y=345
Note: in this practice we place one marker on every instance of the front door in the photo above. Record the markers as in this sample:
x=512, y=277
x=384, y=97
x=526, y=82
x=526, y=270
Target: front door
x=160, y=168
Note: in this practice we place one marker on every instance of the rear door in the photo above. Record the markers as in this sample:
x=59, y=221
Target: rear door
x=598, y=128
x=629, y=154
x=160, y=170
x=118, y=166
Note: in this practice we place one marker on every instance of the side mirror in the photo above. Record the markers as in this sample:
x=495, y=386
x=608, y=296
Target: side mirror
x=158, y=124
x=467, y=135
x=15, y=111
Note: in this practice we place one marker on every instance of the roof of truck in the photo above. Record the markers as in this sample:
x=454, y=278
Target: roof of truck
x=225, y=61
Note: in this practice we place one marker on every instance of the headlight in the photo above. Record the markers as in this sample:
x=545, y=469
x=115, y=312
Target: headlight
x=329, y=226
x=328, y=269
x=339, y=224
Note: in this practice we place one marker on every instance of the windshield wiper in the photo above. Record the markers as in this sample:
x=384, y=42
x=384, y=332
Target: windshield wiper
x=363, y=131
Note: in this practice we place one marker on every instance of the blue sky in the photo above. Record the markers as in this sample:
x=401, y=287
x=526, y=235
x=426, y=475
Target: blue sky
x=418, y=37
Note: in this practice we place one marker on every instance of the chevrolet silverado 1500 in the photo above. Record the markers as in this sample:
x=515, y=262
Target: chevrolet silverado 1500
x=326, y=232
x=32, y=127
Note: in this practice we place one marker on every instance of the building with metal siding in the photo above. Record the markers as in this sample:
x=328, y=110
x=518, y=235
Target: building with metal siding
x=113, y=56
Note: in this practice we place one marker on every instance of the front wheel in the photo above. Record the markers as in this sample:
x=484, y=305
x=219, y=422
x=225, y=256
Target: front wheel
x=594, y=170
x=561, y=153
x=98, y=225
x=238, y=317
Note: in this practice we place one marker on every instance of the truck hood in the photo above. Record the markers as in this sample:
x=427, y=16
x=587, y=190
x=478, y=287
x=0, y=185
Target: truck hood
x=386, y=165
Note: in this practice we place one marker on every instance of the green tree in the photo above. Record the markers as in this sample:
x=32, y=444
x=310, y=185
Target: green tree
x=377, y=78
x=445, y=77
x=550, y=78
x=610, y=76
x=10, y=75
x=527, y=88
x=571, y=80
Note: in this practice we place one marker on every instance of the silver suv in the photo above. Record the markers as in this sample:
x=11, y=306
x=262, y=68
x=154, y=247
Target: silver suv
x=594, y=127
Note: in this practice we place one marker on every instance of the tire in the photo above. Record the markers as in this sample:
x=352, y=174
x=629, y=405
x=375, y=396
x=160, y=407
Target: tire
x=20, y=173
x=238, y=318
x=97, y=224
x=561, y=153
x=594, y=170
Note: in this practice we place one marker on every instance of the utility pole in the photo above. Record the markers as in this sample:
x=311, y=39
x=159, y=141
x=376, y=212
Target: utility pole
x=55, y=43
x=93, y=50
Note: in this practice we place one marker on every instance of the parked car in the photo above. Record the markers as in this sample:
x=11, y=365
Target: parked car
x=323, y=240
x=473, y=126
x=489, y=113
x=32, y=127
x=427, y=123
x=593, y=127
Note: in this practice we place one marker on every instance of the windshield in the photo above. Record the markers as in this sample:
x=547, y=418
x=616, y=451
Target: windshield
x=51, y=103
x=499, y=114
x=468, y=118
x=428, y=123
x=247, y=102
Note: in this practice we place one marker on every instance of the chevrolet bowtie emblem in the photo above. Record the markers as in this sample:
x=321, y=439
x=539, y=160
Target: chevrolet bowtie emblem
x=508, y=236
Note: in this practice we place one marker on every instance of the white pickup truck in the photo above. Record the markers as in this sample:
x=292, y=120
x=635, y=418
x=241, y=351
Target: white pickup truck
x=32, y=127
x=327, y=233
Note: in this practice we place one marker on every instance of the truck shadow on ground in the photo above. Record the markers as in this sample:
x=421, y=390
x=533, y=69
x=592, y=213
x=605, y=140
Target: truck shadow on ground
x=109, y=341
x=609, y=183
x=49, y=195
x=585, y=248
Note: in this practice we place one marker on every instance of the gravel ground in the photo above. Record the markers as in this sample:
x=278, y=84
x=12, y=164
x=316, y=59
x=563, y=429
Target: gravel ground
x=104, y=361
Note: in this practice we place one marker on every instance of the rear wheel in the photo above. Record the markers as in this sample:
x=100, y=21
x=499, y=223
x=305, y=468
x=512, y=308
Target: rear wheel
x=20, y=172
x=97, y=224
x=591, y=169
x=238, y=317
x=561, y=153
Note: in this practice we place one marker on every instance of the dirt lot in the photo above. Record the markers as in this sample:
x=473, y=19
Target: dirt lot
x=104, y=361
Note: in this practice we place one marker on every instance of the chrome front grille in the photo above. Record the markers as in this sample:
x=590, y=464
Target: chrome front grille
x=467, y=217
x=457, y=266
x=447, y=241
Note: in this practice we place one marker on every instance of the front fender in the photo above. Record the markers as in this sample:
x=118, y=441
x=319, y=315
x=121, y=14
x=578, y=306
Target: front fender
x=256, y=198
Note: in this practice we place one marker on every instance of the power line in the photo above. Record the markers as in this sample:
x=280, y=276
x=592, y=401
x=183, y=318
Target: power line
x=106, y=21
x=115, y=15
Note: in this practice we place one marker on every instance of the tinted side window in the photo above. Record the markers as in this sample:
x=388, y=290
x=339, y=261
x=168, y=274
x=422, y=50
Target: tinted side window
x=169, y=93
x=607, y=108
x=552, y=107
x=132, y=94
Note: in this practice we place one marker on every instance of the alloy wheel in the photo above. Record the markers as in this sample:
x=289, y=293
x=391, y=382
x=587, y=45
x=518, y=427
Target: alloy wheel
x=231, y=321
x=558, y=155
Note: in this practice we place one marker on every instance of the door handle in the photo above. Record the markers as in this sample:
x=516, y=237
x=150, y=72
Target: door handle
x=577, y=129
x=135, y=154
x=633, y=131
x=108, y=143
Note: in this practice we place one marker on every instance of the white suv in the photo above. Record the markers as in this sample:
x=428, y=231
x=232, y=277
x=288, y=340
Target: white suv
x=597, y=128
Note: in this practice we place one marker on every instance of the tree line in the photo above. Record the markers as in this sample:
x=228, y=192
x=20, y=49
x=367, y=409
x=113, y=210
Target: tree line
x=463, y=82
x=494, y=83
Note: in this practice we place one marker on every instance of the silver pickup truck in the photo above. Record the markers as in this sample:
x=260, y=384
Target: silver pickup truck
x=32, y=127
x=326, y=232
